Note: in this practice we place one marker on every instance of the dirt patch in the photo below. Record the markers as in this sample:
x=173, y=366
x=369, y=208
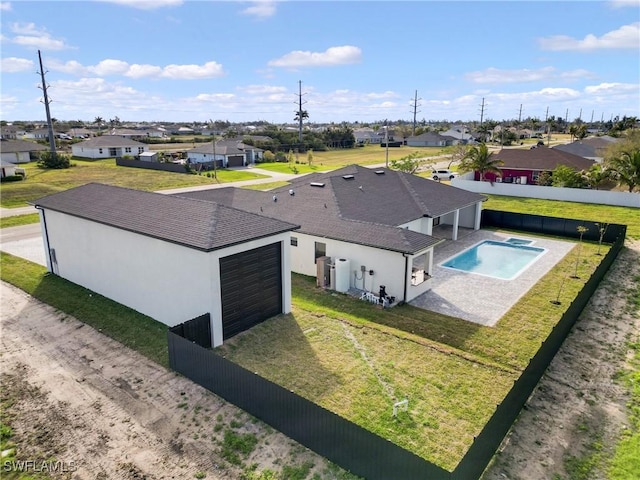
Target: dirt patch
x=105, y=412
x=572, y=420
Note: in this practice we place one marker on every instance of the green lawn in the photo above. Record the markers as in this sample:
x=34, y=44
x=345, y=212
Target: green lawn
x=581, y=211
x=357, y=360
x=41, y=182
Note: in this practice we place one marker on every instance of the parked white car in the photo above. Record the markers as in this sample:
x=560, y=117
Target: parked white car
x=443, y=174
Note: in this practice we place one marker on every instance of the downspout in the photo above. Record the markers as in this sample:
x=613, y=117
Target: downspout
x=46, y=236
x=406, y=271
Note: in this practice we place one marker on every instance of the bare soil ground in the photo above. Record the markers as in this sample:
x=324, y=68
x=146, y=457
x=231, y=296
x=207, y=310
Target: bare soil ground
x=104, y=411
x=574, y=417
x=73, y=395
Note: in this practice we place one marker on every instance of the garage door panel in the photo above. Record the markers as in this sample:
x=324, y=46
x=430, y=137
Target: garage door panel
x=251, y=286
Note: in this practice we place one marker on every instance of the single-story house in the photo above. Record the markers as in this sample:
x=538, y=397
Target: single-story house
x=590, y=147
x=80, y=133
x=461, y=134
x=365, y=136
x=168, y=257
x=19, y=151
x=226, y=153
x=364, y=228
x=525, y=165
x=427, y=139
x=9, y=132
x=108, y=146
x=39, y=134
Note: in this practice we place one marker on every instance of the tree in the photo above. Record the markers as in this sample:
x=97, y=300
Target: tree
x=479, y=159
x=567, y=177
x=310, y=157
x=54, y=160
x=545, y=179
x=457, y=154
x=408, y=164
x=596, y=175
x=301, y=114
x=626, y=168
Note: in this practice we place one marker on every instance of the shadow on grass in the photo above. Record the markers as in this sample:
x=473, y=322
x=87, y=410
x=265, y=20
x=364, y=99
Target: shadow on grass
x=129, y=327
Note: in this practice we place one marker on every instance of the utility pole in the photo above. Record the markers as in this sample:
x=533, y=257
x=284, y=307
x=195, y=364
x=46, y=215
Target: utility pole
x=520, y=114
x=580, y=116
x=52, y=140
x=300, y=103
x=484, y=137
x=386, y=144
x=592, y=112
x=415, y=111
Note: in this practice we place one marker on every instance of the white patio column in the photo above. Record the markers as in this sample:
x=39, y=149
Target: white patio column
x=456, y=222
x=476, y=225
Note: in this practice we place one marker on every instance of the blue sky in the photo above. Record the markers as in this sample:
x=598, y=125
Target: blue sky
x=185, y=61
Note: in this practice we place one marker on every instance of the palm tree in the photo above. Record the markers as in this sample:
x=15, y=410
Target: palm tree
x=596, y=175
x=626, y=168
x=480, y=159
x=301, y=114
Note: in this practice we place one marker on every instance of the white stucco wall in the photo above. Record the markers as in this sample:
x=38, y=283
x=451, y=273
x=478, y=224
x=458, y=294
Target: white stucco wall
x=15, y=157
x=582, y=195
x=168, y=282
x=195, y=157
x=94, y=152
x=388, y=267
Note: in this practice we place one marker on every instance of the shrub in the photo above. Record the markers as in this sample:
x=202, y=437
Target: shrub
x=54, y=160
x=12, y=178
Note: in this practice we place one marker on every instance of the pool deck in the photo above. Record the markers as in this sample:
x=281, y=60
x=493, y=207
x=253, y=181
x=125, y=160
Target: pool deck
x=479, y=298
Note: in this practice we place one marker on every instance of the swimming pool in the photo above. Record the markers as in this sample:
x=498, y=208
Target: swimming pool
x=503, y=260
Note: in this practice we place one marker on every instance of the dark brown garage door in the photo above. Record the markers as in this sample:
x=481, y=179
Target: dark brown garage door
x=235, y=161
x=251, y=288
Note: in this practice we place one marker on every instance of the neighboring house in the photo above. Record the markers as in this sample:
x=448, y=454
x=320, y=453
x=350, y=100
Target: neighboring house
x=19, y=151
x=10, y=169
x=108, y=146
x=379, y=227
x=170, y=258
x=80, y=133
x=228, y=153
x=427, y=139
x=39, y=134
x=8, y=132
x=524, y=166
x=462, y=135
x=366, y=136
x=591, y=147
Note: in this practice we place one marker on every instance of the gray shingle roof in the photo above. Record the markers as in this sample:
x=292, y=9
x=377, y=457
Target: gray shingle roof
x=14, y=146
x=200, y=225
x=540, y=158
x=342, y=210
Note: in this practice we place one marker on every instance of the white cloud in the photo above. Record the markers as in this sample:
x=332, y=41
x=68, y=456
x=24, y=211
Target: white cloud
x=624, y=3
x=15, y=65
x=190, y=72
x=146, y=4
x=261, y=9
x=215, y=97
x=498, y=76
x=112, y=67
x=5, y=6
x=625, y=37
x=28, y=35
x=263, y=89
x=611, y=89
x=343, y=55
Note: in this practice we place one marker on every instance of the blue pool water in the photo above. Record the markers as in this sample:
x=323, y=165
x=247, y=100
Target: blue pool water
x=495, y=259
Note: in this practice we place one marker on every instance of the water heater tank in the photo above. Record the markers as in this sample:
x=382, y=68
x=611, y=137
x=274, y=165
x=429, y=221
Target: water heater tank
x=343, y=275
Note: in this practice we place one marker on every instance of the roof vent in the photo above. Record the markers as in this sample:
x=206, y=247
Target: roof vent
x=348, y=177
x=317, y=184
x=291, y=192
x=379, y=172
x=275, y=198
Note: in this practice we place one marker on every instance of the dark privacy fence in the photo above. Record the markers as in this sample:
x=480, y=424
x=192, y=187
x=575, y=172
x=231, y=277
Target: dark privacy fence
x=165, y=167
x=352, y=447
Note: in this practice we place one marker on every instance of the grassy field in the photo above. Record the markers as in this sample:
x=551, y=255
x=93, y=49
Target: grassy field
x=41, y=182
x=357, y=360
x=581, y=211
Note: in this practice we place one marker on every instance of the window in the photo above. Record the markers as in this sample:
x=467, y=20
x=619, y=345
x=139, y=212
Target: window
x=140, y=150
x=113, y=152
x=127, y=149
x=320, y=250
x=436, y=221
x=294, y=242
x=100, y=151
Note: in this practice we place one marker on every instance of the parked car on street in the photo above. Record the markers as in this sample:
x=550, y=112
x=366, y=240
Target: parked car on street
x=443, y=174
